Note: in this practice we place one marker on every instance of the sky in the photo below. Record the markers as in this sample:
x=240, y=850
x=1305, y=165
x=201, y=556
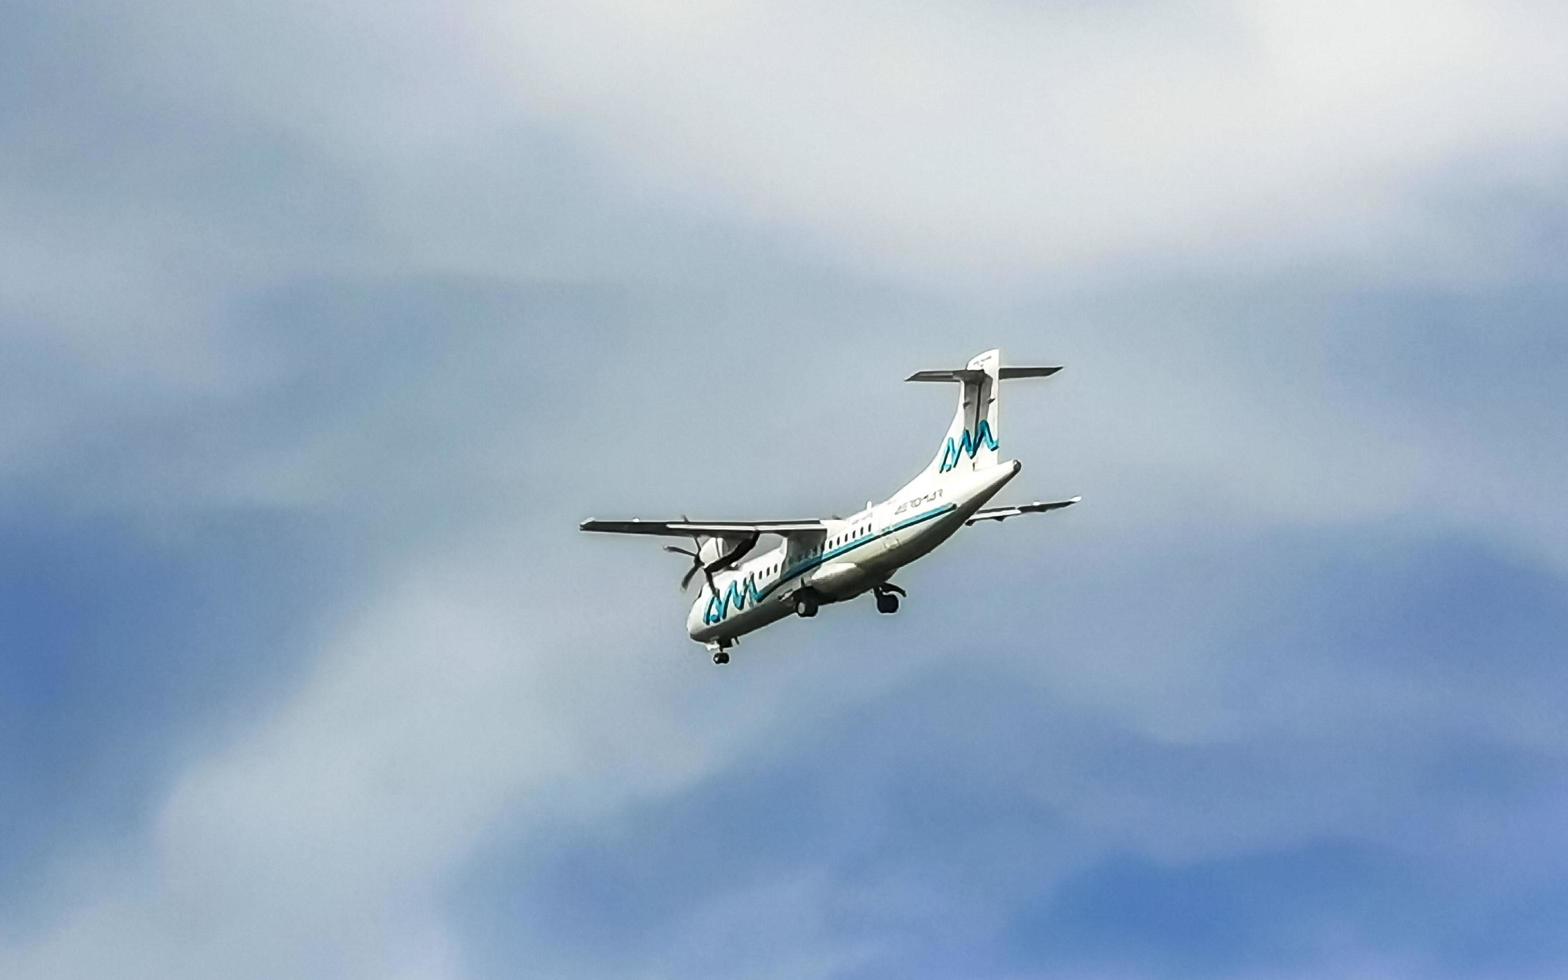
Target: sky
x=322, y=326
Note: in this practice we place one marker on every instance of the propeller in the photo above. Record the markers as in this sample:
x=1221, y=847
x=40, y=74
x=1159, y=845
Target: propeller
x=708, y=567
x=696, y=562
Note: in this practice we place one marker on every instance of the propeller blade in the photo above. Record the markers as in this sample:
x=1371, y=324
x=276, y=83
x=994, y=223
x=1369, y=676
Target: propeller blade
x=696, y=563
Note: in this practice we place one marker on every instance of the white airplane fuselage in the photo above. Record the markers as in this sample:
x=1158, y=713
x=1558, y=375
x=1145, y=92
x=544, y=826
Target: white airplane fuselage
x=823, y=561
x=851, y=556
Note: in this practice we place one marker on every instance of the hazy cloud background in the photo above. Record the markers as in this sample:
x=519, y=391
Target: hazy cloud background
x=321, y=328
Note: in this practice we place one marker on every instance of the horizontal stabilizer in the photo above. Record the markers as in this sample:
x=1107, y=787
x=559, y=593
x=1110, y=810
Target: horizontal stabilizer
x=1003, y=513
x=716, y=529
x=974, y=376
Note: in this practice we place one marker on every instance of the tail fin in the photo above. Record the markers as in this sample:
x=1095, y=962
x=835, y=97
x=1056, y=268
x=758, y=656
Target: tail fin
x=973, y=437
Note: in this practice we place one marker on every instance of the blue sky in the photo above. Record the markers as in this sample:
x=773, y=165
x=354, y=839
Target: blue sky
x=321, y=329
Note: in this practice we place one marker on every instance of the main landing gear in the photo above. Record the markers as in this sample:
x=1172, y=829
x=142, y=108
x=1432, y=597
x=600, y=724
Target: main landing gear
x=887, y=597
x=805, y=605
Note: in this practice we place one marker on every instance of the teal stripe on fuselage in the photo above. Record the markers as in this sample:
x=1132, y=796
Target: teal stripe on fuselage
x=713, y=616
x=826, y=556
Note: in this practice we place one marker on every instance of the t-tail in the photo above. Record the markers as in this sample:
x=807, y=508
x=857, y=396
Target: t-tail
x=974, y=437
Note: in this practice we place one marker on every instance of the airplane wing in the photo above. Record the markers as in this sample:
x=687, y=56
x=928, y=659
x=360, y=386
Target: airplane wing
x=719, y=529
x=1003, y=513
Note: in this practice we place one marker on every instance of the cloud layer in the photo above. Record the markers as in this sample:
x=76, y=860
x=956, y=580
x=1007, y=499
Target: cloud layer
x=321, y=329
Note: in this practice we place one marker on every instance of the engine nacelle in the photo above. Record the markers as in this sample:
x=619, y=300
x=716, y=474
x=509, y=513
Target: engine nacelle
x=723, y=552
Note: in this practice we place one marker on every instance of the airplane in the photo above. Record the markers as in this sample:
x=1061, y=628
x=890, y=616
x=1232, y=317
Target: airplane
x=822, y=561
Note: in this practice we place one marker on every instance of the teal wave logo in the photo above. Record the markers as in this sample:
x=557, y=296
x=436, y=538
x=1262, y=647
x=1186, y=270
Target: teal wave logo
x=738, y=596
x=956, y=450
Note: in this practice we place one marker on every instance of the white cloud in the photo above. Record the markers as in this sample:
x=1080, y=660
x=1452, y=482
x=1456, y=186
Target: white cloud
x=986, y=143
x=947, y=145
x=311, y=845
x=462, y=707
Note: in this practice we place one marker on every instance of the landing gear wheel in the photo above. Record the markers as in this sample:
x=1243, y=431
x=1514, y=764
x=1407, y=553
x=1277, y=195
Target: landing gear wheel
x=721, y=658
x=805, y=606
x=887, y=602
